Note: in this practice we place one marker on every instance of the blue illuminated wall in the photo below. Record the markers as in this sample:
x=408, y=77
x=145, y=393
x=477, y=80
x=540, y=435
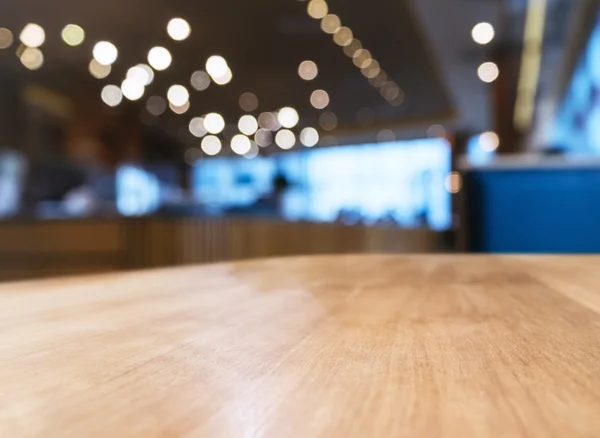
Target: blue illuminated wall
x=578, y=124
x=398, y=182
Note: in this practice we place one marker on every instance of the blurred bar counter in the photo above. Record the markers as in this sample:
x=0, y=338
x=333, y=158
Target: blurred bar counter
x=34, y=249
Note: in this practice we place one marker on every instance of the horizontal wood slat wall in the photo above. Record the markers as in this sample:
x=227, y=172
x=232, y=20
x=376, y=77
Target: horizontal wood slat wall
x=48, y=248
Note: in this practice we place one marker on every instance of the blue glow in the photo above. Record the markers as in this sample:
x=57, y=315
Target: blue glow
x=138, y=192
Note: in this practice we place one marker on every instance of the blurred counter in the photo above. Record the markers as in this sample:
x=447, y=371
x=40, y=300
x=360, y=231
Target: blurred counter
x=31, y=249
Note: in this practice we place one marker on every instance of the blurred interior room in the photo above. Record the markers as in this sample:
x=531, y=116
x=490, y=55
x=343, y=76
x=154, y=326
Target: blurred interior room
x=137, y=135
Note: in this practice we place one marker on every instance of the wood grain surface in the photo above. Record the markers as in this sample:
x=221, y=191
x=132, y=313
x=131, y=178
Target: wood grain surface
x=341, y=346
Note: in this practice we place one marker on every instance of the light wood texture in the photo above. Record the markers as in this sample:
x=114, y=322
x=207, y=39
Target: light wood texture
x=331, y=346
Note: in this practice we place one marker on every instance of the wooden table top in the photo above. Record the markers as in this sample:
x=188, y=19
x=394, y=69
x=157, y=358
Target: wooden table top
x=350, y=346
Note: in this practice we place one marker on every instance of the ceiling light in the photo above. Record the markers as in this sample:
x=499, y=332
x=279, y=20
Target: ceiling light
x=285, y=139
x=159, y=58
x=178, y=95
x=263, y=138
x=268, y=121
x=483, y=33
x=309, y=137
x=211, y=145
x=214, y=123
x=105, y=53
x=488, y=72
x=99, y=71
x=328, y=121
x=156, y=105
x=33, y=59
x=489, y=141
x=247, y=125
x=240, y=144
x=6, y=38
x=288, y=117
x=33, y=35
x=330, y=23
x=308, y=70
x=216, y=66
x=354, y=46
x=200, y=80
x=111, y=95
x=132, y=90
x=141, y=74
x=319, y=99
x=197, y=128
x=343, y=36
x=225, y=79
x=248, y=102
x=178, y=29
x=317, y=9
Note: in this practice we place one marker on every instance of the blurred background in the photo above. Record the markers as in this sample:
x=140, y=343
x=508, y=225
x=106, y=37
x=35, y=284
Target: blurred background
x=144, y=134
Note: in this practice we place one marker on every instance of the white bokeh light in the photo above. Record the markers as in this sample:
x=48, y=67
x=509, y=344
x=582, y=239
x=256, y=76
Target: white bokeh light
x=247, y=125
x=105, y=53
x=309, y=137
x=319, y=99
x=488, y=72
x=240, y=144
x=211, y=145
x=178, y=95
x=214, y=123
x=225, y=79
x=483, y=33
x=216, y=66
x=263, y=138
x=73, y=35
x=33, y=35
x=31, y=58
x=111, y=95
x=200, y=80
x=159, y=58
x=288, y=117
x=308, y=70
x=197, y=128
x=489, y=141
x=141, y=73
x=132, y=90
x=285, y=139
x=178, y=29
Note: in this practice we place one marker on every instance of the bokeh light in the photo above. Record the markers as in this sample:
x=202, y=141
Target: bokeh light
x=99, y=71
x=253, y=152
x=200, y=80
x=225, y=79
x=180, y=109
x=105, y=53
x=156, y=105
x=263, y=137
x=73, y=35
x=319, y=99
x=178, y=29
x=141, y=73
x=436, y=131
x=330, y=23
x=31, y=58
x=362, y=58
x=211, y=145
x=386, y=135
x=317, y=9
x=197, y=128
x=216, y=66
x=285, y=139
x=268, y=121
x=309, y=137
x=343, y=36
x=33, y=35
x=308, y=70
x=288, y=117
x=159, y=58
x=488, y=72
x=132, y=90
x=214, y=123
x=328, y=121
x=489, y=141
x=247, y=125
x=453, y=182
x=240, y=144
x=248, y=102
x=111, y=95
x=483, y=33
x=6, y=38
x=178, y=95
x=351, y=49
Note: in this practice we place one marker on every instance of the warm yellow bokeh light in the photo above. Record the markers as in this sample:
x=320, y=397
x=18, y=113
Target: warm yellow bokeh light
x=317, y=9
x=453, y=182
x=31, y=58
x=343, y=36
x=319, y=99
x=216, y=66
x=6, y=38
x=99, y=71
x=225, y=79
x=362, y=58
x=351, y=49
x=73, y=35
x=308, y=70
x=331, y=23
x=105, y=53
x=159, y=58
x=180, y=109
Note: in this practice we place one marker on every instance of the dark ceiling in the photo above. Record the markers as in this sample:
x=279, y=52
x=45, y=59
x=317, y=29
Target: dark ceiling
x=263, y=41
